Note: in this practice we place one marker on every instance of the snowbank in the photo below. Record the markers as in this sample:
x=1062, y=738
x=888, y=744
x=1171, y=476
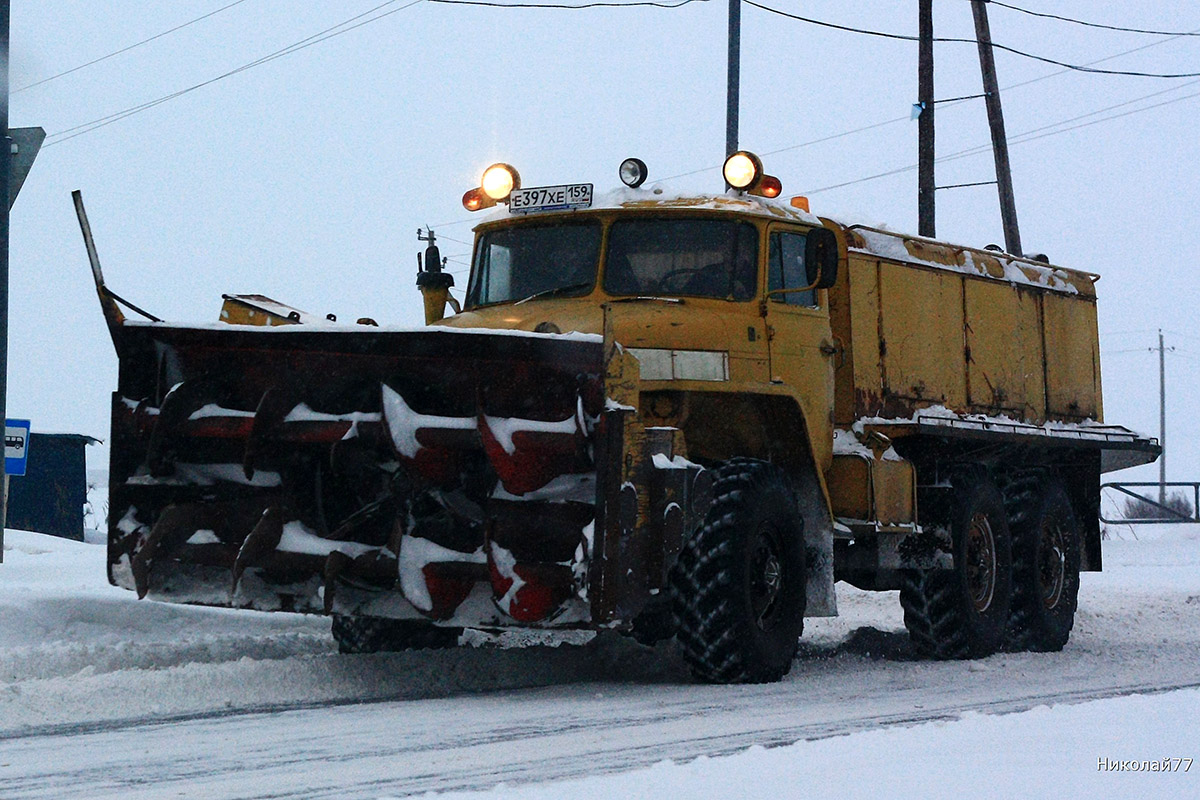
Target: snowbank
x=1140, y=746
x=85, y=668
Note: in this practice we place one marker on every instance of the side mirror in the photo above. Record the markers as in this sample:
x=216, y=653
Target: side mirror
x=821, y=258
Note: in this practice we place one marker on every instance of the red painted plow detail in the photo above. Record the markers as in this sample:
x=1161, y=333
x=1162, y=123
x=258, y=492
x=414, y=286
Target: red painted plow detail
x=448, y=476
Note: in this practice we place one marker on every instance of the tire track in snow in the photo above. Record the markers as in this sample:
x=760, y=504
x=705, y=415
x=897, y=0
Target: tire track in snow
x=265, y=761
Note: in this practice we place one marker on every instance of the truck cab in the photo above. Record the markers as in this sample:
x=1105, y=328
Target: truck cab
x=713, y=295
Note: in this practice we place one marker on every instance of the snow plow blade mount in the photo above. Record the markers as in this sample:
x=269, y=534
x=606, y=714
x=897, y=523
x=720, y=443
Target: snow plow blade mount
x=436, y=474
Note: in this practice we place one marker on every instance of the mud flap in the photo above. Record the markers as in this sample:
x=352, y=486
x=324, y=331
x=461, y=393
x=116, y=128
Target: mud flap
x=818, y=542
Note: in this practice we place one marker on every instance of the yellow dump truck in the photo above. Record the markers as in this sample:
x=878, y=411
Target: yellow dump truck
x=674, y=416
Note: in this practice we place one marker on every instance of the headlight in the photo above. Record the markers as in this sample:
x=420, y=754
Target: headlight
x=633, y=172
x=743, y=170
x=499, y=180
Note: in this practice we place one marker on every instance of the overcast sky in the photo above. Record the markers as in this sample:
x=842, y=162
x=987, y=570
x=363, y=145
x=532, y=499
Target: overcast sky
x=305, y=178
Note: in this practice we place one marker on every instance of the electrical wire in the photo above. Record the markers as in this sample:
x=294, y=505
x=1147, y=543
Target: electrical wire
x=676, y=4
x=1091, y=24
x=1020, y=138
x=1130, y=333
x=130, y=47
x=948, y=104
x=452, y=239
x=996, y=45
x=336, y=30
x=345, y=27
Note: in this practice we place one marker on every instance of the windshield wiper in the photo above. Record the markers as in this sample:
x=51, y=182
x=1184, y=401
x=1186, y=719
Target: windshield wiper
x=642, y=298
x=557, y=290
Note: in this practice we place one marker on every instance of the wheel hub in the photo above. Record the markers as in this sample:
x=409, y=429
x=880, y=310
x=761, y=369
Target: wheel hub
x=1052, y=564
x=981, y=562
x=766, y=579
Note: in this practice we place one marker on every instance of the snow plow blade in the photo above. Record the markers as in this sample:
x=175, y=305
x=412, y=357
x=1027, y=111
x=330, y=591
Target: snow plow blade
x=462, y=477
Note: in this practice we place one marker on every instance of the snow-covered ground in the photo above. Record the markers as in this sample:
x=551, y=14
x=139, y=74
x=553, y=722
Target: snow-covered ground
x=105, y=696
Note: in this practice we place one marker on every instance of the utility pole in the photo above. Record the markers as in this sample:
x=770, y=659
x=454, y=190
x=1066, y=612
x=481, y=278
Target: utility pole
x=1162, y=421
x=5, y=171
x=926, y=225
x=734, y=77
x=987, y=64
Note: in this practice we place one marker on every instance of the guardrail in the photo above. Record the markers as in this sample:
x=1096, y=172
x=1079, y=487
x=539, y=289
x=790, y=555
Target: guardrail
x=1171, y=515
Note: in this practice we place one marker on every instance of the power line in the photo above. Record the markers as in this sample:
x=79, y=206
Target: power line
x=1006, y=48
x=329, y=33
x=948, y=104
x=676, y=4
x=456, y=241
x=1092, y=24
x=316, y=38
x=1020, y=138
x=130, y=47
x=829, y=138
x=1131, y=333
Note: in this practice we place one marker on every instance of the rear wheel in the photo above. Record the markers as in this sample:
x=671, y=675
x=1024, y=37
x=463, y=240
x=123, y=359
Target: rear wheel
x=739, y=584
x=1045, y=573
x=963, y=612
x=361, y=634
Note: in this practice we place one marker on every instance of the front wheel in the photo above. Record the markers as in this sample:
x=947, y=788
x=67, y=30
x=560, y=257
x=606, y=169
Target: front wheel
x=738, y=586
x=963, y=612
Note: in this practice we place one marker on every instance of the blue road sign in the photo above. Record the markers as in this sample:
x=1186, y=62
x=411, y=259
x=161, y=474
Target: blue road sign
x=16, y=446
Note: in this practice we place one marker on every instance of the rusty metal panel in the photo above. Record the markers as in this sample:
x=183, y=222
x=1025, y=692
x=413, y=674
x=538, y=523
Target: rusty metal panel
x=862, y=336
x=849, y=482
x=921, y=339
x=843, y=363
x=1005, y=369
x=875, y=489
x=1072, y=360
x=894, y=483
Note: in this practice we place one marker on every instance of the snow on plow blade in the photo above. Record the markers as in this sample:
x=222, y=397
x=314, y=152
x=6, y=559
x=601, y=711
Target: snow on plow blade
x=436, y=474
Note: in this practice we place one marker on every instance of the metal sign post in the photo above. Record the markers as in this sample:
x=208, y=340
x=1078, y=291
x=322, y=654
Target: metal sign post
x=16, y=457
x=5, y=167
x=733, y=77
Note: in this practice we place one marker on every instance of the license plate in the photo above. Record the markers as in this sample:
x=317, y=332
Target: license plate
x=550, y=198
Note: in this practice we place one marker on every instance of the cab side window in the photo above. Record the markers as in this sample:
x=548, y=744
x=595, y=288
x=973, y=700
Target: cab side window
x=785, y=269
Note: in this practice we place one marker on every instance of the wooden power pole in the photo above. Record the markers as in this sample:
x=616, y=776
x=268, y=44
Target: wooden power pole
x=987, y=63
x=926, y=224
x=1162, y=422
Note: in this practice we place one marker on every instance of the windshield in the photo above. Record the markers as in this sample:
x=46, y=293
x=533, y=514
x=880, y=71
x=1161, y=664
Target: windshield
x=693, y=257
x=517, y=263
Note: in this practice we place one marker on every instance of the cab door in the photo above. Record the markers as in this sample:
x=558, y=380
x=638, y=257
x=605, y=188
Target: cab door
x=800, y=342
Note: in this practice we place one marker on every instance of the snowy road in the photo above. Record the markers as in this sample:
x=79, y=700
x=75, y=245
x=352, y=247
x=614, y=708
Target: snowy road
x=461, y=722
x=472, y=743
